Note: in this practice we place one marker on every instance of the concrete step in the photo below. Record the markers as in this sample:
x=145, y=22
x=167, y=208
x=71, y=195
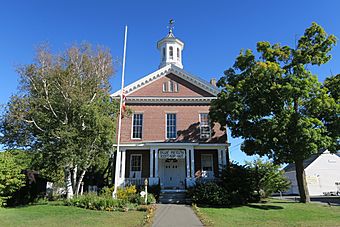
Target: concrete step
x=174, y=198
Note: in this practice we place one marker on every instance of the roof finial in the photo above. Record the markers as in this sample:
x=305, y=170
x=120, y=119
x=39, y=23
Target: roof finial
x=171, y=25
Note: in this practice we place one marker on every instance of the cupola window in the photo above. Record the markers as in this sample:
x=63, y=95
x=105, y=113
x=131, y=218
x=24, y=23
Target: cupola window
x=163, y=53
x=178, y=56
x=171, y=52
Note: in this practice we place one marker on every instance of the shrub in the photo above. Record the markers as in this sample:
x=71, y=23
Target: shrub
x=107, y=191
x=239, y=182
x=127, y=194
x=94, y=202
x=209, y=193
x=11, y=178
x=268, y=177
x=155, y=190
x=150, y=200
x=235, y=187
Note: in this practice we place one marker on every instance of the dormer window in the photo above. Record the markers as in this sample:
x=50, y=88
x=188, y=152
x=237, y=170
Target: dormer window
x=170, y=86
x=171, y=52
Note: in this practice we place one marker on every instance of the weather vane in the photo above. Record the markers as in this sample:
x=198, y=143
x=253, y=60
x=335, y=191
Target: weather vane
x=171, y=25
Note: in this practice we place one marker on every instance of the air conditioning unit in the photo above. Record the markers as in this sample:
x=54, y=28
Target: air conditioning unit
x=205, y=136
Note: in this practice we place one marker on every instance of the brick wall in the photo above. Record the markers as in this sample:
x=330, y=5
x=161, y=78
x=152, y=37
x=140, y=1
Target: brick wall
x=154, y=121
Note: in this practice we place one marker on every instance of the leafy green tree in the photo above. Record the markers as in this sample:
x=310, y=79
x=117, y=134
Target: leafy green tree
x=11, y=178
x=273, y=101
x=63, y=111
x=268, y=177
x=331, y=116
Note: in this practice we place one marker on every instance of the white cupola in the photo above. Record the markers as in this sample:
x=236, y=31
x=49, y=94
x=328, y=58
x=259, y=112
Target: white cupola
x=170, y=49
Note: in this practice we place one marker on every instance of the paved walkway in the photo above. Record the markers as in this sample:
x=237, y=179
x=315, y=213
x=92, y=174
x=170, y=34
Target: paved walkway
x=168, y=215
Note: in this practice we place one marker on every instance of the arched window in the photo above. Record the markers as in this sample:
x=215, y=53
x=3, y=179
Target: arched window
x=171, y=52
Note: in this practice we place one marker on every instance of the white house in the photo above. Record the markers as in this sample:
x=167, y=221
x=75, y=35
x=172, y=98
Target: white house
x=322, y=174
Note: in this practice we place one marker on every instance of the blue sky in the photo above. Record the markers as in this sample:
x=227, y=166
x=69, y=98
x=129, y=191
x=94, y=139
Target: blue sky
x=213, y=32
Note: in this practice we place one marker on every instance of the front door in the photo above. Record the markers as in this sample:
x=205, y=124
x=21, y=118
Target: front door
x=173, y=173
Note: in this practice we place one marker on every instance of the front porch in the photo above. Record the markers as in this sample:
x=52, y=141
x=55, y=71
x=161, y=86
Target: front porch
x=172, y=166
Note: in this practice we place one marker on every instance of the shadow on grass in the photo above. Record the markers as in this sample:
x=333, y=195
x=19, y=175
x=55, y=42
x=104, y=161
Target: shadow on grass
x=261, y=205
x=264, y=207
x=288, y=201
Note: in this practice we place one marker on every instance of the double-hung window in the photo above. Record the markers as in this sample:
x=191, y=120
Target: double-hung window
x=137, y=126
x=171, y=132
x=135, y=166
x=205, y=129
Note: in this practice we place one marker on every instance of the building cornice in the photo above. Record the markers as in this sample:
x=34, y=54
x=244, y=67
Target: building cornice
x=172, y=145
x=198, y=82
x=167, y=100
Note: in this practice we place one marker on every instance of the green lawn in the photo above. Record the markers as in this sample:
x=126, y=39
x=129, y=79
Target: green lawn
x=273, y=213
x=51, y=215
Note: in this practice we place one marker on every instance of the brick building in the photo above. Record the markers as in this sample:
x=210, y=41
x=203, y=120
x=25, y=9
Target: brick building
x=168, y=138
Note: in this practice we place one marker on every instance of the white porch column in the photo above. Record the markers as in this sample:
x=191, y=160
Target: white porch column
x=118, y=168
x=192, y=159
x=156, y=162
x=123, y=164
x=220, y=159
x=152, y=151
x=224, y=157
x=187, y=161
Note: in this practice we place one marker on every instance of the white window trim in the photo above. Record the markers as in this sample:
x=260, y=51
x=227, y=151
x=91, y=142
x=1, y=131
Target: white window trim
x=212, y=164
x=199, y=119
x=166, y=125
x=133, y=115
x=167, y=85
x=171, y=50
x=141, y=164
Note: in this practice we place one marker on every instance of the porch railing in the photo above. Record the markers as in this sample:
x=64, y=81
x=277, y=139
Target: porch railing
x=133, y=181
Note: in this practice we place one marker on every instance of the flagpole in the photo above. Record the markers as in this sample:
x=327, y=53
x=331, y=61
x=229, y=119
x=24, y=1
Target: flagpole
x=118, y=155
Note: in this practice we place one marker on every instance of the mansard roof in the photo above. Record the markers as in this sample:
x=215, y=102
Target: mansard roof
x=194, y=80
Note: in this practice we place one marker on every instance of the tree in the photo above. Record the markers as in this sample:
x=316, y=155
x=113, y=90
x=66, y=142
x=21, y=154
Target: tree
x=331, y=116
x=268, y=177
x=63, y=111
x=273, y=101
x=11, y=178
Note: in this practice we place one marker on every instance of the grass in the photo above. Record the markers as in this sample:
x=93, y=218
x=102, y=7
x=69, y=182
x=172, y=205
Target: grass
x=274, y=213
x=52, y=215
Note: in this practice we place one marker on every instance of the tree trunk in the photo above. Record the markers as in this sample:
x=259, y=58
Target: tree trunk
x=79, y=181
x=301, y=181
x=74, y=178
x=68, y=183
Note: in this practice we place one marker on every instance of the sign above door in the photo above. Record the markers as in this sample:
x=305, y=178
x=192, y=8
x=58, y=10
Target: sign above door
x=171, y=154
